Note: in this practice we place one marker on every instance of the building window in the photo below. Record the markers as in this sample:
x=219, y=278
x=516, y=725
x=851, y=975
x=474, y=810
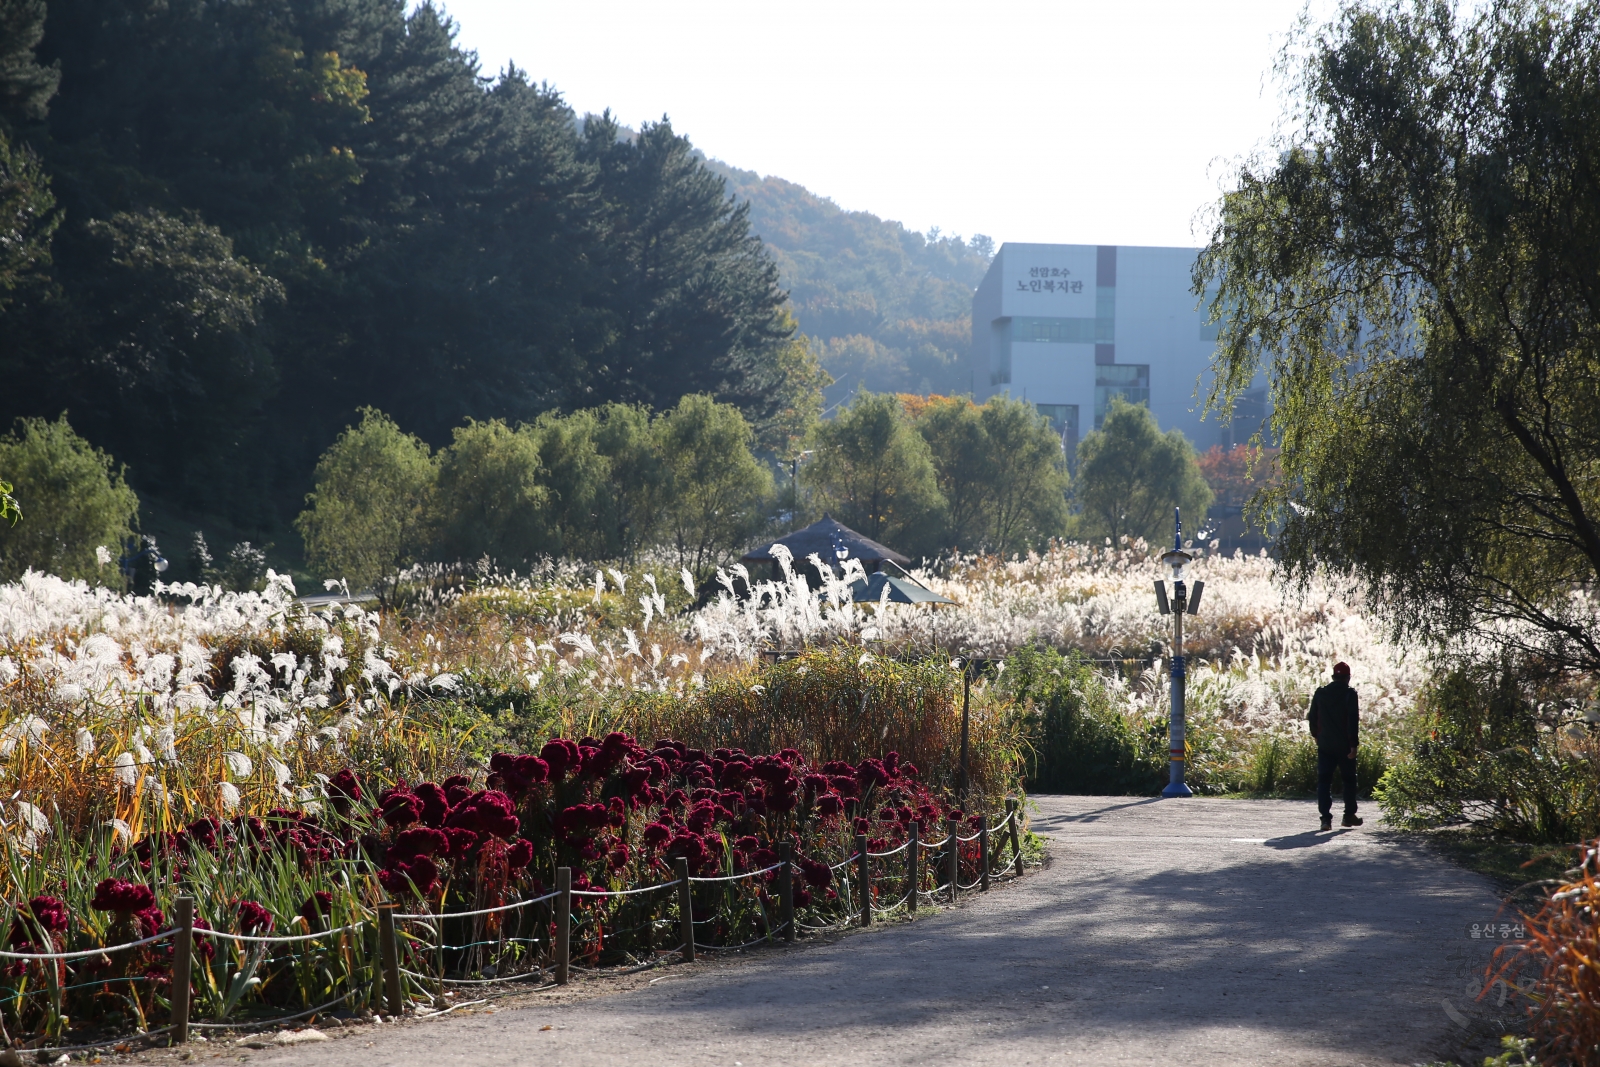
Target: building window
x=1064, y=421
x=1129, y=381
x=1054, y=331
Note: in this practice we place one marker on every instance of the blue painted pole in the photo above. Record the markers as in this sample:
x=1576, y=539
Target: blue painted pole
x=1176, y=751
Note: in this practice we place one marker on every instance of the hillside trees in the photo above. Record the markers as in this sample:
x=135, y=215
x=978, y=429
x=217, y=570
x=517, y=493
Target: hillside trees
x=1130, y=475
x=74, y=500
x=1416, y=265
x=388, y=228
x=1000, y=469
x=875, y=474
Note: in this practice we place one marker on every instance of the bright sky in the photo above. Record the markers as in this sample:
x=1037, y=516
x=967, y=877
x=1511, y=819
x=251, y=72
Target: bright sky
x=1084, y=123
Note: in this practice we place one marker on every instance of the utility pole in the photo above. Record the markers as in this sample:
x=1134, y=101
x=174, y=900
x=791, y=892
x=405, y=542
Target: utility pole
x=1180, y=605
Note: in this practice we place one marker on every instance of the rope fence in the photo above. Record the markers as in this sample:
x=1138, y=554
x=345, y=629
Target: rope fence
x=394, y=977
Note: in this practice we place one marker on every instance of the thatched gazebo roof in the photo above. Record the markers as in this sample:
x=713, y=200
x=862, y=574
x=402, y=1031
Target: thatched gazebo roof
x=826, y=537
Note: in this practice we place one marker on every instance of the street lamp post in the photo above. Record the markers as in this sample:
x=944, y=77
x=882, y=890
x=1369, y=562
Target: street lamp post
x=1180, y=604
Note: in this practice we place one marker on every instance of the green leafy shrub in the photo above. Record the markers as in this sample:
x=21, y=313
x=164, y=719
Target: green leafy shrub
x=74, y=500
x=1484, y=747
x=1079, y=742
x=1281, y=766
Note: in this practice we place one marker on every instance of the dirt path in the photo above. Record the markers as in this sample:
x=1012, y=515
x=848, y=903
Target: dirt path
x=1194, y=932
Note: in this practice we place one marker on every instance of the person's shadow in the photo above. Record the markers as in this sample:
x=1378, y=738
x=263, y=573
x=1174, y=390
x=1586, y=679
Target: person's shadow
x=1309, y=839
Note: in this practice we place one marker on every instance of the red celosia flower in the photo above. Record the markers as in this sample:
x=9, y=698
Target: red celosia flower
x=815, y=872
x=126, y=898
x=434, y=806
x=763, y=857
x=560, y=756
x=747, y=843
x=419, y=841
x=151, y=921
x=519, y=855
x=657, y=835
x=202, y=944
x=398, y=807
x=618, y=859
x=829, y=805
x=457, y=788
x=891, y=763
x=861, y=826
x=317, y=905
x=47, y=913
x=487, y=812
x=344, y=791
x=462, y=842
x=253, y=918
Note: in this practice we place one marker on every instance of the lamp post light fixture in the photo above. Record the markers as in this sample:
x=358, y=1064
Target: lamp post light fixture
x=1177, y=607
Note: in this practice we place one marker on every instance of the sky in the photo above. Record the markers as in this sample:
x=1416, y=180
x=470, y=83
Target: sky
x=1071, y=122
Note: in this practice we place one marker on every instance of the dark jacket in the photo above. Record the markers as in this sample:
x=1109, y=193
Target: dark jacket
x=1335, y=717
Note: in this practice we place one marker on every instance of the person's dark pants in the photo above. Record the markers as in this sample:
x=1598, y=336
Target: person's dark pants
x=1326, y=762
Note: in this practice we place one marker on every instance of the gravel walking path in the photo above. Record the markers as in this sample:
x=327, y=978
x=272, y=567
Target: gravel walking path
x=1196, y=932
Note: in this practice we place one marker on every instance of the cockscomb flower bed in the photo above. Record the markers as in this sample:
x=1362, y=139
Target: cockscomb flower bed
x=618, y=814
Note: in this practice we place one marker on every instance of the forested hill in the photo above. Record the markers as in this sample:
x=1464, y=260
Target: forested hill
x=890, y=307
x=227, y=227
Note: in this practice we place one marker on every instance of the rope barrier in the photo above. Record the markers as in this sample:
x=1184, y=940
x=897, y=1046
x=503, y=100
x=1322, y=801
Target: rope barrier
x=880, y=855
x=225, y=936
x=275, y=1019
x=473, y=981
x=481, y=911
x=935, y=844
x=964, y=840
x=737, y=877
x=847, y=861
x=86, y=953
x=619, y=892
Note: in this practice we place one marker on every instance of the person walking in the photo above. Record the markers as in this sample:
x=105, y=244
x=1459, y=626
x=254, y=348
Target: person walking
x=1335, y=719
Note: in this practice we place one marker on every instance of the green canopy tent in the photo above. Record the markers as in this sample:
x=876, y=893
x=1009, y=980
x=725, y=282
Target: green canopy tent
x=869, y=590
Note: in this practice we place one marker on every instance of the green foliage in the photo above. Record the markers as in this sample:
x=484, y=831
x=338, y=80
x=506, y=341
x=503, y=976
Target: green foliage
x=889, y=308
x=27, y=219
x=1481, y=750
x=26, y=86
x=874, y=473
x=75, y=501
x=1284, y=766
x=1080, y=743
x=715, y=491
x=311, y=209
x=1130, y=476
x=490, y=498
x=1000, y=470
x=1414, y=266
x=367, y=514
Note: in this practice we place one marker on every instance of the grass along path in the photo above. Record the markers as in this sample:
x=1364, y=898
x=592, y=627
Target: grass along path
x=1204, y=932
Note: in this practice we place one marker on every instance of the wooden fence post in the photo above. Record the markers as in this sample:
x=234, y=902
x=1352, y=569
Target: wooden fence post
x=1014, y=810
x=953, y=857
x=685, y=908
x=913, y=870
x=786, y=890
x=983, y=851
x=864, y=879
x=563, y=960
x=182, y=970
x=389, y=956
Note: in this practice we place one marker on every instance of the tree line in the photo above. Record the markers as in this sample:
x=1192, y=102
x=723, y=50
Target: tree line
x=225, y=228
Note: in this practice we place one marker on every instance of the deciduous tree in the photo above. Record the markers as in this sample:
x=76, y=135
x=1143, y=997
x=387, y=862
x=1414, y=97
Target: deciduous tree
x=1417, y=266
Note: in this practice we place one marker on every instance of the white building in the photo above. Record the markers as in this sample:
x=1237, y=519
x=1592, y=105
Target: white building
x=1067, y=327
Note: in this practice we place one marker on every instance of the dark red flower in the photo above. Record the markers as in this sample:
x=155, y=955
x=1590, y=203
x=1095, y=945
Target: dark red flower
x=519, y=855
x=457, y=788
x=618, y=859
x=398, y=807
x=419, y=841
x=816, y=873
x=560, y=756
x=434, y=806
x=317, y=905
x=829, y=805
x=462, y=842
x=344, y=790
x=125, y=898
x=151, y=921
x=657, y=835
x=253, y=918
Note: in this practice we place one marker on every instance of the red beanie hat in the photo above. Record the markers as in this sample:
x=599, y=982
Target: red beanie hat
x=1341, y=668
